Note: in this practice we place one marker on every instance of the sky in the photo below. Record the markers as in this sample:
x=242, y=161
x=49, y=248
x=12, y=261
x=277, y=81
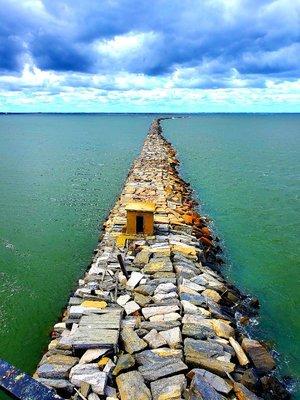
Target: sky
x=149, y=56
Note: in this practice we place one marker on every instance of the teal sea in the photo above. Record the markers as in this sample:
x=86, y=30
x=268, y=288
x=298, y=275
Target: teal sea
x=61, y=174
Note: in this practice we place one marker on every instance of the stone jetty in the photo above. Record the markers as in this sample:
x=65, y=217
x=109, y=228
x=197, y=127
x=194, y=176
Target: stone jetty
x=153, y=318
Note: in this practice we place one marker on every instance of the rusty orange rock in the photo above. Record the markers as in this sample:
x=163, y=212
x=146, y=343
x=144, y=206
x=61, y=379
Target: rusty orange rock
x=205, y=241
x=206, y=231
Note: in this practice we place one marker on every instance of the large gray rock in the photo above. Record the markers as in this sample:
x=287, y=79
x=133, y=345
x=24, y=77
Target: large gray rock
x=204, y=354
x=198, y=331
x=53, y=371
x=159, y=363
x=131, y=386
x=196, y=299
x=218, y=383
x=168, y=388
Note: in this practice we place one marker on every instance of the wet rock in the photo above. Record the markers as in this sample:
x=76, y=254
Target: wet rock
x=201, y=389
x=155, y=339
x=273, y=389
x=218, y=383
x=249, y=379
x=125, y=361
x=254, y=302
x=240, y=354
x=204, y=354
x=168, y=388
x=261, y=358
x=132, y=342
x=131, y=386
x=242, y=393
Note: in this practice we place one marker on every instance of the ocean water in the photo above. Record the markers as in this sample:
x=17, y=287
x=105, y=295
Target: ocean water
x=61, y=174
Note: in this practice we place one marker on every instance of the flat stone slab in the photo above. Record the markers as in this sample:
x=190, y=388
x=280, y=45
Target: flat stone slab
x=159, y=363
x=159, y=310
x=103, y=321
x=92, y=337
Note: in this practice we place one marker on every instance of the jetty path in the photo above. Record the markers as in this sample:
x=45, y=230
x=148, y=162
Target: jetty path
x=153, y=318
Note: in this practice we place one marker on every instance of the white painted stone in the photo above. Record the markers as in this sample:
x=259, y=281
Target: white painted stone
x=165, y=317
x=91, y=355
x=122, y=300
x=159, y=310
x=165, y=288
x=131, y=307
x=134, y=279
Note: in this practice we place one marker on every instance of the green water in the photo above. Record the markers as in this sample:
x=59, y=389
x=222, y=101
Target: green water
x=245, y=171
x=60, y=175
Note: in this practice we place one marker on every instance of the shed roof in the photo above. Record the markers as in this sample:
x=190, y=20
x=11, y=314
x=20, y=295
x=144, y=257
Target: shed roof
x=146, y=206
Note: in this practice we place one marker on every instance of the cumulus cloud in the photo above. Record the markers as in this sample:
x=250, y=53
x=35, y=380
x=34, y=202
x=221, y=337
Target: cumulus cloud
x=116, y=46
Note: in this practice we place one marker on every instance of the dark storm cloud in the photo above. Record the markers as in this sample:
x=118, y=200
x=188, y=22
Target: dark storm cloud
x=253, y=37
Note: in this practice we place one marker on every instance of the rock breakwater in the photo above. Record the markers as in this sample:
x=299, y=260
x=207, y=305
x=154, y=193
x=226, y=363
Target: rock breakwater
x=153, y=318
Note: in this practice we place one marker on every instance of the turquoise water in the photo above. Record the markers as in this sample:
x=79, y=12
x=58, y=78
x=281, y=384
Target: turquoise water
x=245, y=171
x=60, y=175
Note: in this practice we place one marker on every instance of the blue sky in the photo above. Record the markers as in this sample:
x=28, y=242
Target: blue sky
x=150, y=56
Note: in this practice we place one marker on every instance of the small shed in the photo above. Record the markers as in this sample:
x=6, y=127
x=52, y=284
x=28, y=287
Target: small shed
x=140, y=218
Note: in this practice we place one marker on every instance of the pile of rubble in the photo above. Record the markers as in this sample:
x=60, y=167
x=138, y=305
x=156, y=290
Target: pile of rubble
x=166, y=325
